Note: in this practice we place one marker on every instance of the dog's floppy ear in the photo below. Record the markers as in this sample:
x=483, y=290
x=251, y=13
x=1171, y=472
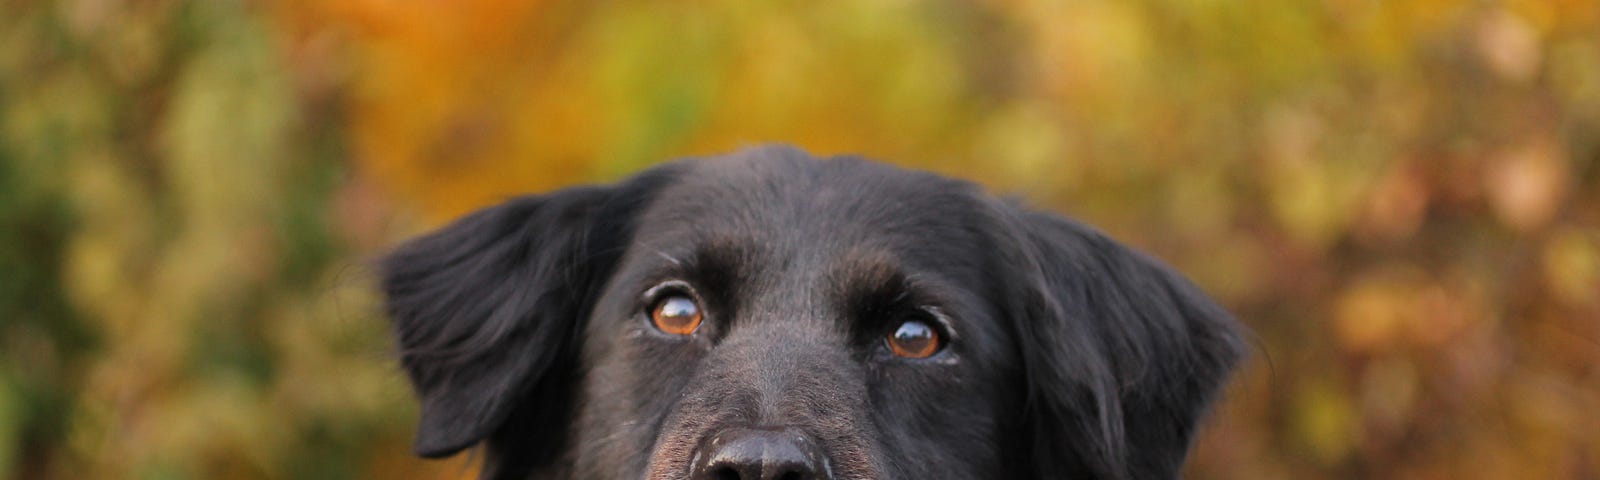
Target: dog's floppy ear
x=485, y=310
x=1121, y=355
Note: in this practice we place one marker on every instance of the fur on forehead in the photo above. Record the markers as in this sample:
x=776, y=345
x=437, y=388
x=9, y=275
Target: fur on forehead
x=772, y=188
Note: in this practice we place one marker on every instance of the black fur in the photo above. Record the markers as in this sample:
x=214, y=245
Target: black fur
x=524, y=328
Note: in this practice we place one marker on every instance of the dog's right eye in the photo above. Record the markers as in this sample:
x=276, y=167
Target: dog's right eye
x=914, y=339
x=676, y=314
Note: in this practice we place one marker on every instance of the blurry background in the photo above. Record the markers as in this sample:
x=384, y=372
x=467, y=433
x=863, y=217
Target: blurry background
x=1401, y=198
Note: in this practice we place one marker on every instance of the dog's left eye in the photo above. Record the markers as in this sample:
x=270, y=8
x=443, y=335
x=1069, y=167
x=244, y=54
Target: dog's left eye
x=676, y=314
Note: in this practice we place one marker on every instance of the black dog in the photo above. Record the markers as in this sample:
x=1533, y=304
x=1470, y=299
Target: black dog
x=769, y=315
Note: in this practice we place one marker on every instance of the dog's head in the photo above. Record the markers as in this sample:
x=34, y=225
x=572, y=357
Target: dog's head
x=768, y=315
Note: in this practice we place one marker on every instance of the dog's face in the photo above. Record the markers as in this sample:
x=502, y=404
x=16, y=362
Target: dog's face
x=768, y=315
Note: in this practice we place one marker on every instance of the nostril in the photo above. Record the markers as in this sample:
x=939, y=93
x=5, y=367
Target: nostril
x=759, y=454
x=730, y=473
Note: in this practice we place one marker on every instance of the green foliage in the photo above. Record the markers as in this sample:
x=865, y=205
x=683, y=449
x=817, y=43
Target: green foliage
x=173, y=305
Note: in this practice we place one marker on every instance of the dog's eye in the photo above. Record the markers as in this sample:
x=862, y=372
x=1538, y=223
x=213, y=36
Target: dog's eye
x=914, y=339
x=676, y=314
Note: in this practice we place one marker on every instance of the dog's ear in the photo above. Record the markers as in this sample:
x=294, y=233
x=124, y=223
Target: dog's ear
x=1121, y=355
x=486, y=309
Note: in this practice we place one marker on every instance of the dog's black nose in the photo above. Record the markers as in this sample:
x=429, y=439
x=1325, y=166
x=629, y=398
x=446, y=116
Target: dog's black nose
x=760, y=454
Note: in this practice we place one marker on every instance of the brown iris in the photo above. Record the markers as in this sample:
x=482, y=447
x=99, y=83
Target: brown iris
x=676, y=314
x=914, y=339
